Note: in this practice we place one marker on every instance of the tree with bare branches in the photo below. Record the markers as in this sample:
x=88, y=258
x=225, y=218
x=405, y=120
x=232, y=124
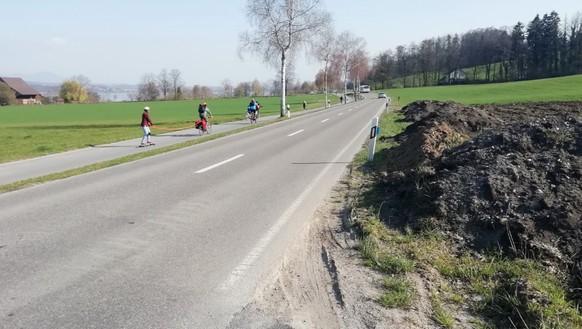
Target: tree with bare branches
x=177, y=83
x=202, y=92
x=323, y=50
x=164, y=83
x=281, y=29
x=147, y=89
x=348, y=56
x=257, y=88
x=226, y=88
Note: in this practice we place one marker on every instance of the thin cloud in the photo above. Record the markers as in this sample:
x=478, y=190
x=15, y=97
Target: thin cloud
x=57, y=41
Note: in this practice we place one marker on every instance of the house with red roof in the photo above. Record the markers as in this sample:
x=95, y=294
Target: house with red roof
x=24, y=93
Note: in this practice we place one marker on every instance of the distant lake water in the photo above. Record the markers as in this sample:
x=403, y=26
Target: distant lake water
x=104, y=96
x=115, y=97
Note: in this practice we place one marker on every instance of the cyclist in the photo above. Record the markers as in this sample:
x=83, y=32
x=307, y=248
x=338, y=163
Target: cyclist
x=252, y=108
x=204, y=113
x=258, y=110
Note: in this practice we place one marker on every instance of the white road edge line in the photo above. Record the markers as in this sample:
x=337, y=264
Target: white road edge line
x=219, y=164
x=324, y=120
x=295, y=133
x=260, y=247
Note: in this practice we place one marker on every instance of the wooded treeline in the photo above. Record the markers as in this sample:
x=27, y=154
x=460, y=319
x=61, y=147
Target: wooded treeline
x=542, y=49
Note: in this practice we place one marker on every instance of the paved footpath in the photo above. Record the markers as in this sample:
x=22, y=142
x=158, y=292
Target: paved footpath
x=19, y=170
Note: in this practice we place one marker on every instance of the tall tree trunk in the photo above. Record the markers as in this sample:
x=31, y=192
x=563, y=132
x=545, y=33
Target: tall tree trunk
x=283, y=83
x=345, y=87
x=325, y=79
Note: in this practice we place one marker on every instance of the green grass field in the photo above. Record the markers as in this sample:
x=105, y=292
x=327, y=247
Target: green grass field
x=31, y=131
x=555, y=89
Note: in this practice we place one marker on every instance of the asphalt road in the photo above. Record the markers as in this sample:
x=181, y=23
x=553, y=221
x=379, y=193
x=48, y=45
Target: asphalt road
x=179, y=240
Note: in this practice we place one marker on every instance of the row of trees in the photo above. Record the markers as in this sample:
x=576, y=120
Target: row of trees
x=544, y=48
x=151, y=89
x=282, y=28
x=78, y=89
x=164, y=85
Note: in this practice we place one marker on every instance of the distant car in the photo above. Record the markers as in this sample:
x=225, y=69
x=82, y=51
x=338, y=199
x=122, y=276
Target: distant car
x=4, y=104
x=382, y=95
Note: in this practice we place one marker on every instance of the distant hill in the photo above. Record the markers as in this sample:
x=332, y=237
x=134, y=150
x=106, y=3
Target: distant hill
x=42, y=78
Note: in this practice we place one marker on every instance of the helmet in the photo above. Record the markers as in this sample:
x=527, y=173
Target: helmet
x=204, y=104
x=146, y=108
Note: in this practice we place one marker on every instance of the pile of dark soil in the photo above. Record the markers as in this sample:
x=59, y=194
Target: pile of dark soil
x=506, y=177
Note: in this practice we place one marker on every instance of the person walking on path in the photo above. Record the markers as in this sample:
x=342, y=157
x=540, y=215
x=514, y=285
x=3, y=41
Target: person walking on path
x=146, y=122
x=304, y=105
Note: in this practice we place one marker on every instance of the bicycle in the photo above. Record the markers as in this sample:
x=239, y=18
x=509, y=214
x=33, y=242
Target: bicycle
x=253, y=117
x=202, y=130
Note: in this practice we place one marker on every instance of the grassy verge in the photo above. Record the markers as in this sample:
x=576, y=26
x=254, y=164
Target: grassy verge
x=495, y=290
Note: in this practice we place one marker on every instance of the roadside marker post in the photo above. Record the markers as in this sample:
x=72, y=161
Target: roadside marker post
x=374, y=131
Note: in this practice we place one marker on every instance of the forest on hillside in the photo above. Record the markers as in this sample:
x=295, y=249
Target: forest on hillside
x=545, y=47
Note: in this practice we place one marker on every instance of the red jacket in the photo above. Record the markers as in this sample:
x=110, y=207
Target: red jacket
x=145, y=120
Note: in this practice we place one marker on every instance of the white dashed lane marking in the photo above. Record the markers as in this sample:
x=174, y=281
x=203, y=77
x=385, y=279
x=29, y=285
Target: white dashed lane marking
x=219, y=164
x=295, y=133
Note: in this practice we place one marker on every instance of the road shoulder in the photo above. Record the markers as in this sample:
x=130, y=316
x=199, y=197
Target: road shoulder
x=321, y=282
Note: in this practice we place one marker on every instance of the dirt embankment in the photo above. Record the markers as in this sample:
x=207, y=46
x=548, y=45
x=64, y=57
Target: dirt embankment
x=503, y=177
x=507, y=177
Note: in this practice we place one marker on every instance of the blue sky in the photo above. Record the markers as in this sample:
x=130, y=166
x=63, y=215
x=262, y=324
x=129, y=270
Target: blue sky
x=118, y=41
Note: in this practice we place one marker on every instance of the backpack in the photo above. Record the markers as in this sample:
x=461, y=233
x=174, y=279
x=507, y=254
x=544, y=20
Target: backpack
x=200, y=109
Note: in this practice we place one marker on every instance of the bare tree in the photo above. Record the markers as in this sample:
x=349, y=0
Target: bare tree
x=197, y=92
x=307, y=87
x=281, y=28
x=82, y=80
x=147, y=89
x=349, y=49
x=164, y=83
x=242, y=89
x=257, y=88
x=177, y=83
x=320, y=80
x=226, y=88
x=323, y=50
x=361, y=66
x=207, y=92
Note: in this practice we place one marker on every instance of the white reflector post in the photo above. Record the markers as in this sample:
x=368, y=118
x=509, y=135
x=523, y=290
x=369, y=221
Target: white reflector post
x=375, y=130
